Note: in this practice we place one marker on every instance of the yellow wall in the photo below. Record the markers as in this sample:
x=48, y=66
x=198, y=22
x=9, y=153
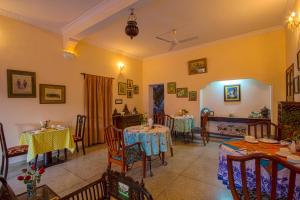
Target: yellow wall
x=293, y=45
x=260, y=56
x=24, y=47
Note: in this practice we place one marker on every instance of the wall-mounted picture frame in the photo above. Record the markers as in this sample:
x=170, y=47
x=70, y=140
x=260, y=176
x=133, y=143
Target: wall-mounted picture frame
x=198, y=66
x=192, y=95
x=298, y=60
x=289, y=83
x=129, y=94
x=21, y=84
x=129, y=84
x=232, y=93
x=52, y=94
x=122, y=88
x=181, y=92
x=118, y=101
x=136, y=89
x=297, y=84
x=171, y=87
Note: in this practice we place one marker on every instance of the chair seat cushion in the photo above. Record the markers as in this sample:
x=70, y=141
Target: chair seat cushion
x=132, y=155
x=17, y=150
x=77, y=138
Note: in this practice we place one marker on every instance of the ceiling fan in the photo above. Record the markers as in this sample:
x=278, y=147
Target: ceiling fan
x=175, y=41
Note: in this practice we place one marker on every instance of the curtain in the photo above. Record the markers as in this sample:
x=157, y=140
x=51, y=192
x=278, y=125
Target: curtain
x=98, y=107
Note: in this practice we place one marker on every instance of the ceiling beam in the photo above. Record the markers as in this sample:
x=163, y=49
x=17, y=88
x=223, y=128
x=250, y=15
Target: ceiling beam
x=99, y=13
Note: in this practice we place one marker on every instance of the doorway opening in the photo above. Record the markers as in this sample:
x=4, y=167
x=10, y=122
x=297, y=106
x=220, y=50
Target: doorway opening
x=156, y=101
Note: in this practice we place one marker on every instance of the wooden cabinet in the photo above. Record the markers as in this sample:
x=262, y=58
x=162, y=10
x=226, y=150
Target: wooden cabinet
x=124, y=121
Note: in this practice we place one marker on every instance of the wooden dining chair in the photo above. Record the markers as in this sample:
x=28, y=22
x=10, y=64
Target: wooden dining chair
x=169, y=122
x=119, y=153
x=244, y=193
x=159, y=118
x=79, y=132
x=202, y=131
x=266, y=130
x=9, y=152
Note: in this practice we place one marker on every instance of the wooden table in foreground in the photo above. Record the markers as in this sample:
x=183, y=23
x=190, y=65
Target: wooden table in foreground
x=43, y=192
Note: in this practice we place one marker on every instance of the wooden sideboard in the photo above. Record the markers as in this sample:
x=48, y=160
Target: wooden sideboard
x=124, y=121
x=237, y=119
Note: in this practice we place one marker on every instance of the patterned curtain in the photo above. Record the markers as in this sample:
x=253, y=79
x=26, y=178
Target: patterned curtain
x=98, y=107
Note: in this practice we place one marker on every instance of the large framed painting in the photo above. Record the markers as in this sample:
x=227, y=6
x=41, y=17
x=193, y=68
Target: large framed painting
x=198, y=66
x=129, y=84
x=297, y=84
x=171, y=86
x=232, y=93
x=21, y=84
x=182, y=92
x=52, y=94
x=122, y=88
x=136, y=89
x=192, y=95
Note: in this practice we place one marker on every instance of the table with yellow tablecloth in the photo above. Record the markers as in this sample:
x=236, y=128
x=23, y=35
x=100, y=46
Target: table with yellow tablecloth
x=47, y=141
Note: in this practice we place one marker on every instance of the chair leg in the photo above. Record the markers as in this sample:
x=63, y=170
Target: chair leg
x=203, y=137
x=36, y=160
x=66, y=154
x=144, y=165
x=123, y=168
x=192, y=136
x=77, y=147
x=171, y=149
x=2, y=165
x=6, y=167
x=83, y=149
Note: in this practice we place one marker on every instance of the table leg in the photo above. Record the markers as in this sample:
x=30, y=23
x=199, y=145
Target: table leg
x=47, y=158
x=163, y=162
x=150, y=167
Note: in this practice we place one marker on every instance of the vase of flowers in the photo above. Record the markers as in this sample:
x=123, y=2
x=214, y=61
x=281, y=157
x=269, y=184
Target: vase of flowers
x=31, y=177
x=294, y=138
x=144, y=119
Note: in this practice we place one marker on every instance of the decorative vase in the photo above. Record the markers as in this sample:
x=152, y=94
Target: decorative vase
x=31, y=190
x=293, y=147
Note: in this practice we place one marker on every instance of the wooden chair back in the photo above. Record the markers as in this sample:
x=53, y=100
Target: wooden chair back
x=4, y=158
x=6, y=193
x=275, y=161
x=265, y=130
x=169, y=122
x=204, y=120
x=115, y=141
x=80, y=126
x=159, y=119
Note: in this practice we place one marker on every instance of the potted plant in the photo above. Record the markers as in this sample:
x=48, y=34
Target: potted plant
x=31, y=177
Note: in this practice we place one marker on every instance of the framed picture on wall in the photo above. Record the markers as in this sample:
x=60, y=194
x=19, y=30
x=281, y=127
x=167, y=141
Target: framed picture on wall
x=118, y=101
x=296, y=85
x=181, y=92
x=21, y=84
x=289, y=83
x=171, y=86
x=129, y=84
x=232, y=93
x=198, y=66
x=52, y=94
x=129, y=94
x=136, y=89
x=192, y=95
x=298, y=60
x=122, y=88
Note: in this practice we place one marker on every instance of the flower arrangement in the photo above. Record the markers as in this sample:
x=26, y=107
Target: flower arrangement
x=31, y=177
x=144, y=119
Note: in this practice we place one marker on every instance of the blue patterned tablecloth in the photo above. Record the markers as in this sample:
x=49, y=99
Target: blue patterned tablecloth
x=153, y=141
x=282, y=180
x=183, y=124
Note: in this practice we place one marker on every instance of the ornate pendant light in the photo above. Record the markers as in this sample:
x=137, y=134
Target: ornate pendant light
x=132, y=29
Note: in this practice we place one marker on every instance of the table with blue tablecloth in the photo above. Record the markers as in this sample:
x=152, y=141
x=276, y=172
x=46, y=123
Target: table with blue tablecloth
x=183, y=124
x=235, y=148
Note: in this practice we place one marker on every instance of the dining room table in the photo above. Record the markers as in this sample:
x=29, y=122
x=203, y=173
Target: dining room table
x=46, y=141
x=155, y=140
x=183, y=124
x=242, y=147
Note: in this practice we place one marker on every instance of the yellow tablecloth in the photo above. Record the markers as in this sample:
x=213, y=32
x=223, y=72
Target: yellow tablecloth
x=46, y=141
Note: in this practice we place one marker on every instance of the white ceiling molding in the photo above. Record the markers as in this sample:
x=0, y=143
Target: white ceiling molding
x=99, y=13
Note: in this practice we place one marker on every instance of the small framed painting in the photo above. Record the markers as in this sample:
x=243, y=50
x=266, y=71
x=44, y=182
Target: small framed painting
x=136, y=89
x=171, y=87
x=198, y=66
x=129, y=84
x=192, y=95
x=21, y=84
x=118, y=101
x=52, y=94
x=129, y=94
x=296, y=85
x=298, y=60
x=122, y=88
x=232, y=93
x=181, y=92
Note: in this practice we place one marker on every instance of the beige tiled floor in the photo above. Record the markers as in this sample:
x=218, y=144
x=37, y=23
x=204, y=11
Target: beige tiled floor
x=190, y=174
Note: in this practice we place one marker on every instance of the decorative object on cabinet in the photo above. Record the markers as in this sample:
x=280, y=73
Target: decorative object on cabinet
x=129, y=84
x=205, y=111
x=211, y=113
x=116, y=112
x=21, y=84
x=289, y=81
x=232, y=93
x=129, y=94
x=296, y=85
x=118, y=101
x=192, y=95
x=181, y=92
x=52, y=94
x=136, y=89
x=122, y=88
x=126, y=110
x=298, y=60
x=265, y=112
x=171, y=87
x=135, y=112
x=288, y=119
x=124, y=121
x=198, y=66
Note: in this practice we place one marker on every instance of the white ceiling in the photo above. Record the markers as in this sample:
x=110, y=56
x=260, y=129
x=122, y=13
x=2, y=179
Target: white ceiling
x=210, y=20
